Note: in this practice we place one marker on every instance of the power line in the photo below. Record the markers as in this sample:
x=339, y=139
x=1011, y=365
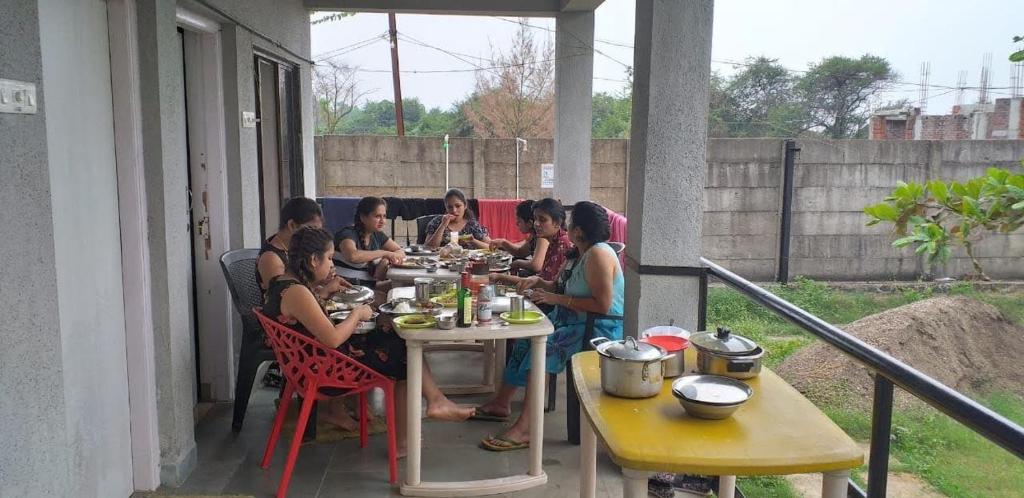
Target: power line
x=337, y=52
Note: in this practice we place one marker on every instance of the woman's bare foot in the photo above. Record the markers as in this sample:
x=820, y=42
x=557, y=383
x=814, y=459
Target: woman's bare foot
x=494, y=408
x=341, y=419
x=446, y=410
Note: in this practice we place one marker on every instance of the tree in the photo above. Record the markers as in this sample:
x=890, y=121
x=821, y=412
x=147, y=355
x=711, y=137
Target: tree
x=1017, y=56
x=838, y=91
x=763, y=101
x=315, y=17
x=337, y=92
x=516, y=97
x=611, y=115
x=937, y=214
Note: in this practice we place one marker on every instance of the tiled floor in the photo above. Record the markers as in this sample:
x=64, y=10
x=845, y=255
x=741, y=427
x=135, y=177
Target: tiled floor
x=230, y=464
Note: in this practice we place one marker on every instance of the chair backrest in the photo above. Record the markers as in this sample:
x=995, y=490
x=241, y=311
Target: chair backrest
x=239, y=268
x=421, y=227
x=618, y=247
x=309, y=365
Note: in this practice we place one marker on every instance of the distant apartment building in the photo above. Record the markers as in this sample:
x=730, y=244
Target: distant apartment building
x=1001, y=120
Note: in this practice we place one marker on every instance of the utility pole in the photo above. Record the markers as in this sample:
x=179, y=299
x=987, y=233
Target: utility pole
x=399, y=120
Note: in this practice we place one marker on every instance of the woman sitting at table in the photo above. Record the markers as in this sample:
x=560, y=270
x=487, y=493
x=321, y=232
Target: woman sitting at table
x=365, y=247
x=591, y=282
x=459, y=218
x=291, y=302
x=526, y=251
x=552, y=242
x=297, y=213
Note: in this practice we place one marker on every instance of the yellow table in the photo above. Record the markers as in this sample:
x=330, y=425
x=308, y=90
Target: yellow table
x=777, y=432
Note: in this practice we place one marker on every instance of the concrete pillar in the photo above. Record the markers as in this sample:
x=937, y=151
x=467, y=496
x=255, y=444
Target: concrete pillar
x=161, y=82
x=574, y=79
x=672, y=59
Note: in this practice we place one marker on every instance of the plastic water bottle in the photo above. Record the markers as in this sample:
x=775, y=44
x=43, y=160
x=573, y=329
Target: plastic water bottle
x=483, y=303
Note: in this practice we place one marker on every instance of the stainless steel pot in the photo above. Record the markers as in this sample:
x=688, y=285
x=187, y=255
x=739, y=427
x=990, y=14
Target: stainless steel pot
x=675, y=364
x=724, y=353
x=629, y=368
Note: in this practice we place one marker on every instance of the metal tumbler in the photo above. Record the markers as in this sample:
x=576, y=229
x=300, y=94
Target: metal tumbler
x=515, y=305
x=423, y=290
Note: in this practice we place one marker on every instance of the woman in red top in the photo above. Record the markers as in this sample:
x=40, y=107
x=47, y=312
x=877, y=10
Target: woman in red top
x=548, y=224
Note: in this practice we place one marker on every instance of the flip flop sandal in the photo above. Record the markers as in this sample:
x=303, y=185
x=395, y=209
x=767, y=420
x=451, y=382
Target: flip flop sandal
x=500, y=443
x=480, y=414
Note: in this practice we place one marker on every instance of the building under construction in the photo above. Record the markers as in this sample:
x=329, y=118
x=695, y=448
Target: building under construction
x=984, y=121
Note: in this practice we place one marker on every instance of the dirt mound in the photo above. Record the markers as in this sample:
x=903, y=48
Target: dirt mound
x=963, y=343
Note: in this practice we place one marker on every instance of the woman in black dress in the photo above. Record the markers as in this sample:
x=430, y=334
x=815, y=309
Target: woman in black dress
x=291, y=301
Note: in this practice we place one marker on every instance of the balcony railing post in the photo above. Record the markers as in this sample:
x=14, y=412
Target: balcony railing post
x=702, y=301
x=881, y=430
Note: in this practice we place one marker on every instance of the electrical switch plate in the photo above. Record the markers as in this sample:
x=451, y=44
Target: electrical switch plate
x=17, y=97
x=248, y=119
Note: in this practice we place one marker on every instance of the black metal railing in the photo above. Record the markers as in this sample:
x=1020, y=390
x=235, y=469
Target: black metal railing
x=889, y=371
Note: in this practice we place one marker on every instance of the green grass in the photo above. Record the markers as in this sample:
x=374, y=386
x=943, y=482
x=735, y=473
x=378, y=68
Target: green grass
x=947, y=455
x=766, y=487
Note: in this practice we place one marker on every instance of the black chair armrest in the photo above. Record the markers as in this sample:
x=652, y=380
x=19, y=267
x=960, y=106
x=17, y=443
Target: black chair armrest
x=588, y=331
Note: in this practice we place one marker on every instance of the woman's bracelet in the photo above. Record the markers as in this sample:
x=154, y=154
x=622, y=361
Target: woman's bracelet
x=569, y=305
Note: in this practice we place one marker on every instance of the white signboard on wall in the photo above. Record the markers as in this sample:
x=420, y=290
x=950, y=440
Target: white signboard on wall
x=547, y=175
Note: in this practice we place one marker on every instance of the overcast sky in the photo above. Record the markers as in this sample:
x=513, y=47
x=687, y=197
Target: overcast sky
x=952, y=35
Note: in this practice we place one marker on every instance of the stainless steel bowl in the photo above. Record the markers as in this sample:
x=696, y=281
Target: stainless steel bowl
x=446, y=322
x=710, y=396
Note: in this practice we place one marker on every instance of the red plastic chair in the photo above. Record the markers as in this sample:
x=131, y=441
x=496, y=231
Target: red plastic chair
x=310, y=367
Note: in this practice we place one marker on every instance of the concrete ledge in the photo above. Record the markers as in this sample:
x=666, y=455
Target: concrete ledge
x=174, y=471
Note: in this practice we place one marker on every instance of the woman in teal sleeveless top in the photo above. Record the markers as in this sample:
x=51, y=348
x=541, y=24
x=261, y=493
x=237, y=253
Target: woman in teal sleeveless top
x=590, y=282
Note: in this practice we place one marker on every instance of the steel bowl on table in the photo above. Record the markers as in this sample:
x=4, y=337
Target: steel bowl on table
x=724, y=353
x=395, y=307
x=712, y=397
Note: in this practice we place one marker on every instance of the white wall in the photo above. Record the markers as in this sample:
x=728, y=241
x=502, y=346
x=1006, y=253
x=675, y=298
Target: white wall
x=80, y=144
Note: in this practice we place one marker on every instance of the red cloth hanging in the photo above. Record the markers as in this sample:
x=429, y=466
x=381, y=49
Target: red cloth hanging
x=618, y=226
x=498, y=216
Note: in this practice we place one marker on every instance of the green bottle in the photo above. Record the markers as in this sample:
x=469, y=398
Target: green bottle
x=464, y=303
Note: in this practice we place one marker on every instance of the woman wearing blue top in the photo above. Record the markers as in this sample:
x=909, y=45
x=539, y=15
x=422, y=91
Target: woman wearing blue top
x=590, y=282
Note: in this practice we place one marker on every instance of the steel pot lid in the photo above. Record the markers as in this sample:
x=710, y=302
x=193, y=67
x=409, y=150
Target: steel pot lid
x=723, y=341
x=711, y=390
x=355, y=294
x=631, y=349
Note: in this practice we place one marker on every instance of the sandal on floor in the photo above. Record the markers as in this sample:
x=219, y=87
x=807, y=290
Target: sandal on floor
x=480, y=414
x=501, y=443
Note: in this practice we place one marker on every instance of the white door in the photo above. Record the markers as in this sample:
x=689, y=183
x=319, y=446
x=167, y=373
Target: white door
x=208, y=186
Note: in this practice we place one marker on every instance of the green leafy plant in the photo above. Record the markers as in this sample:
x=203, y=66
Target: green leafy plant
x=937, y=215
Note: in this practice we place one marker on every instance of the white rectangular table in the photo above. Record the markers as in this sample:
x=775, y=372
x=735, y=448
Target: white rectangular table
x=406, y=276
x=415, y=340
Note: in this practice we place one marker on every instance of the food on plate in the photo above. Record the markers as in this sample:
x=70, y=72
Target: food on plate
x=402, y=307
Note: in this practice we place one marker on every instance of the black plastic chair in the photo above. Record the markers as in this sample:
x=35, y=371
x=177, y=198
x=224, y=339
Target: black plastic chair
x=572, y=398
x=618, y=247
x=239, y=268
x=421, y=227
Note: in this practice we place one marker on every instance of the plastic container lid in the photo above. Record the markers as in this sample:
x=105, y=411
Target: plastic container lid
x=671, y=343
x=665, y=330
x=723, y=341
